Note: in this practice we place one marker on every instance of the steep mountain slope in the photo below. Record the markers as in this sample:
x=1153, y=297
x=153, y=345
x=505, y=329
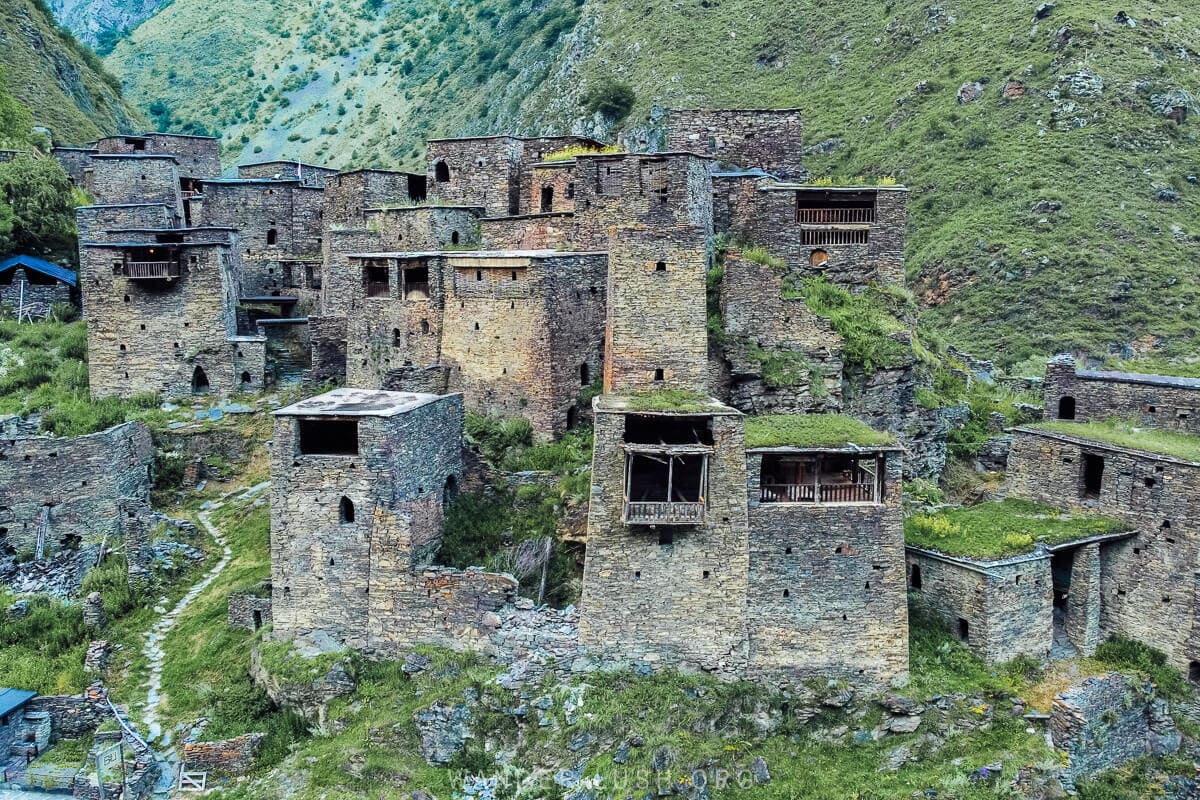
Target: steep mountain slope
x=100, y=23
x=1049, y=148
x=62, y=83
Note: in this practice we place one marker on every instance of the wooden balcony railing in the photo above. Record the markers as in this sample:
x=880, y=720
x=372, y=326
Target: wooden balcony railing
x=835, y=216
x=819, y=237
x=378, y=289
x=818, y=493
x=416, y=291
x=643, y=513
x=152, y=269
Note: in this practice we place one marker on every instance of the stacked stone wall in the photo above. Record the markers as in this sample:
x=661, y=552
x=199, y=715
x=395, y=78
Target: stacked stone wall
x=1008, y=607
x=81, y=481
x=1140, y=593
x=759, y=321
x=557, y=231
x=766, y=139
x=656, y=191
x=115, y=180
x=19, y=290
x=768, y=219
x=559, y=179
x=424, y=228
x=308, y=174
x=249, y=611
x=655, y=334
x=72, y=716
x=342, y=278
x=149, y=336
x=235, y=756
x=321, y=573
x=826, y=587
x=676, y=603
x=98, y=223
x=74, y=160
x=1158, y=402
x=482, y=172
x=328, y=337
x=197, y=156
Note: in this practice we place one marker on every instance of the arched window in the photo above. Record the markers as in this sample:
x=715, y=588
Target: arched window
x=818, y=258
x=346, y=511
x=245, y=379
x=424, y=326
x=272, y=237
x=1066, y=408
x=441, y=172
x=454, y=238
x=199, y=380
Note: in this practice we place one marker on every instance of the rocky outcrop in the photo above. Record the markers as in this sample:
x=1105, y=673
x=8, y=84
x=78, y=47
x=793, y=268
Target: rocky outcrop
x=309, y=699
x=97, y=22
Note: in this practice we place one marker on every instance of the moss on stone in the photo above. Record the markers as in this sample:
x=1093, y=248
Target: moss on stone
x=1001, y=529
x=1123, y=434
x=669, y=400
x=812, y=430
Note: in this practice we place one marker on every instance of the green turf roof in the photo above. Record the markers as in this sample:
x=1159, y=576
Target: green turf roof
x=812, y=430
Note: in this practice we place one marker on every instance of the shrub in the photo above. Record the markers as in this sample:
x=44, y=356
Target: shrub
x=610, y=99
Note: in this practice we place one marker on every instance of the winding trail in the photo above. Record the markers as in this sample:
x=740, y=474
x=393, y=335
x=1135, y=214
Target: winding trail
x=152, y=649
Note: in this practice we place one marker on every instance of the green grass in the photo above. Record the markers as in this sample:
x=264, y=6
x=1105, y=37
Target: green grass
x=1124, y=434
x=867, y=321
x=812, y=430
x=679, y=400
x=1001, y=528
x=1113, y=267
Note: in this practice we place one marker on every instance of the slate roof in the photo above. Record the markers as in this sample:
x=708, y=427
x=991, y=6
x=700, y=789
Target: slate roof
x=12, y=699
x=1138, y=377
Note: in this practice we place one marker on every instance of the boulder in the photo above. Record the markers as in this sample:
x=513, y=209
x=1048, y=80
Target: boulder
x=443, y=730
x=969, y=92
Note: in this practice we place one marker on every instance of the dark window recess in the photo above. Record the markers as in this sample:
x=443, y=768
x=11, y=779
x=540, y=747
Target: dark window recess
x=547, y=199
x=666, y=537
x=418, y=187
x=570, y=193
x=397, y=339
x=1194, y=671
x=245, y=378
x=416, y=283
x=664, y=478
x=1066, y=408
x=346, y=511
x=441, y=172
x=1093, y=475
x=964, y=629
x=376, y=281
x=914, y=577
x=585, y=376
x=329, y=437
x=642, y=429
x=454, y=238
x=658, y=375
x=272, y=237
x=661, y=266
x=199, y=381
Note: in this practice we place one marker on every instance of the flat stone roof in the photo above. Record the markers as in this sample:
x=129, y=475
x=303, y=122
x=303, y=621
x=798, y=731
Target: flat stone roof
x=1139, y=377
x=667, y=402
x=1083, y=439
x=140, y=156
x=808, y=187
x=358, y=403
x=422, y=207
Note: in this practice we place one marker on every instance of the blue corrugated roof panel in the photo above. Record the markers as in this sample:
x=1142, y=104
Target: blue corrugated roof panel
x=12, y=699
x=45, y=267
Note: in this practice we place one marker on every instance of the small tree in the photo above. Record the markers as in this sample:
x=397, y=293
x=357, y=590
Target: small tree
x=612, y=99
x=37, y=196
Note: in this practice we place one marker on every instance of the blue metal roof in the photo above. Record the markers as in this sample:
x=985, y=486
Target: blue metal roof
x=45, y=267
x=12, y=699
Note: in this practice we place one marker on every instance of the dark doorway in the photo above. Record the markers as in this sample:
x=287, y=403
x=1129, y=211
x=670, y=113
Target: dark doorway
x=257, y=620
x=547, y=199
x=1066, y=408
x=449, y=492
x=572, y=418
x=914, y=578
x=964, y=630
x=199, y=381
x=1194, y=671
x=1093, y=475
x=417, y=187
x=346, y=511
x=441, y=172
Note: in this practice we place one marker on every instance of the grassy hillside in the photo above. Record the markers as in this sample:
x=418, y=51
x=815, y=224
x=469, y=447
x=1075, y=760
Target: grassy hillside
x=60, y=81
x=1059, y=217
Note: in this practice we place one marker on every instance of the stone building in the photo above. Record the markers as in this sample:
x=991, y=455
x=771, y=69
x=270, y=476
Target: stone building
x=360, y=481
x=196, y=155
x=518, y=333
x=1143, y=586
x=491, y=171
x=1153, y=401
x=59, y=495
x=759, y=139
x=31, y=285
x=306, y=174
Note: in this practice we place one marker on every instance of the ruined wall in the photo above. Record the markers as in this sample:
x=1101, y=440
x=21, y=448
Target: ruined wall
x=659, y=191
x=768, y=219
x=349, y=194
x=72, y=716
x=249, y=611
x=235, y=756
x=307, y=174
x=341, y=279
x=766, y=139
x=481, y=172
x=328, y=337
x=1153, y=401
x=664, y=604
x=19, y=290
x=655, y=333
x=1008, y=607
x=76, y=484
x=551, y=188
x=321, y=572
x=557, y=231
x=150, y=335
x=1140, y=592
x=1102, y=723
x=826, y=587
x=113, y=179
x=765, y=330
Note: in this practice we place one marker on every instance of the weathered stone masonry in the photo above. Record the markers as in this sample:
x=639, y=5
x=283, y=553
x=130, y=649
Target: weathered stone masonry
x=1154, y=401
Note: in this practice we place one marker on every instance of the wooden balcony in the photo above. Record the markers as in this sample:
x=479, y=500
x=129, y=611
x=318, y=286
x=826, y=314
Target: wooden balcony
x=818, y=492
x=152, y=270
x=835, y=216
x=644, y=513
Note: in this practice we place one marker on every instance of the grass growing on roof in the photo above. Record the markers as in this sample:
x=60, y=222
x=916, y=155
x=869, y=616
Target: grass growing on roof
x=1124, y=434
x=1002, y=528
x=668, y=400
x=812, y=430
x=867, y=321
x=568, y=153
